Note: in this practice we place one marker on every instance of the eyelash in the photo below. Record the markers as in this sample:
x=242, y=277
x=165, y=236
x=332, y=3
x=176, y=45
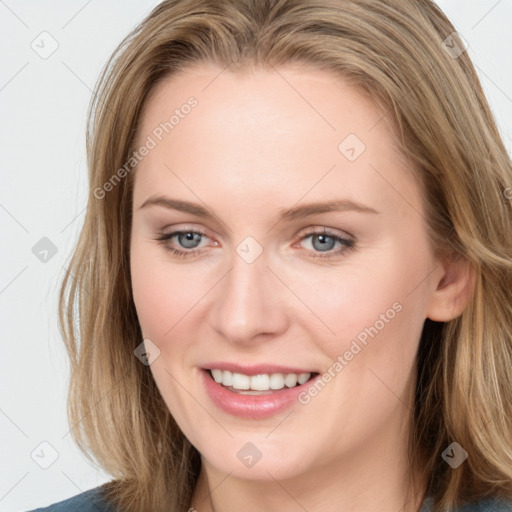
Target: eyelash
x=348, y=245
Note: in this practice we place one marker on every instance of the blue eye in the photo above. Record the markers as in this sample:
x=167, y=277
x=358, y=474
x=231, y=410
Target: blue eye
x=188, y=239
x=322, y=242
x=326, y=242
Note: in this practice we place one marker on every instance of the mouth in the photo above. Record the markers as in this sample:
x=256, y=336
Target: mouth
x=255, y=391
x=261, y=383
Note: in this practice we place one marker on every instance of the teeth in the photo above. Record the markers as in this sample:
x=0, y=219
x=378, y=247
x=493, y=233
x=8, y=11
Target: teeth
x=241, y=381
x=303, y=377
x=276, y=381
x=227, y=378
x=291, y=380
x=217, y=375
x=262, y=382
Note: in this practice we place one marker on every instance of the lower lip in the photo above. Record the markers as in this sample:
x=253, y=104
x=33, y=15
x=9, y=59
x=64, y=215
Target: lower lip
x=251, y=406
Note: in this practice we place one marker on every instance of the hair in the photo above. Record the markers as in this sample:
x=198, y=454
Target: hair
x=391, y=50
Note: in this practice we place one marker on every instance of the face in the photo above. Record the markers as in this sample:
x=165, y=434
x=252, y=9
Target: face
x=277, y=232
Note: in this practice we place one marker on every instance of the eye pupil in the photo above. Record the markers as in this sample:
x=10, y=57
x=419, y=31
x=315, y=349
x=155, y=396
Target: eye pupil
x=326, y=242
x=189, y=240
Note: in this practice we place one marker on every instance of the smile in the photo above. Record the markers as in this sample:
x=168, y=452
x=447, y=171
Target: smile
x=245, y=384
x=258, y=392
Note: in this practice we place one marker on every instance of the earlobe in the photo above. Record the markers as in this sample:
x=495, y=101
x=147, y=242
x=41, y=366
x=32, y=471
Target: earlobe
x=453, y=291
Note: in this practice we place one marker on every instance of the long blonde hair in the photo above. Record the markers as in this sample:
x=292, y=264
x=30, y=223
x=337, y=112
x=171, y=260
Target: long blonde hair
x=394, y=50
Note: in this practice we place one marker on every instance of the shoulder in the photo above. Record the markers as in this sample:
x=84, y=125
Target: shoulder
x=485, y=505
x=488, y=505
x=88, y=501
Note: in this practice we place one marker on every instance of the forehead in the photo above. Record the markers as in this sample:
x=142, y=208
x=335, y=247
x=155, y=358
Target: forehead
x=289, y=130
x=261, y=98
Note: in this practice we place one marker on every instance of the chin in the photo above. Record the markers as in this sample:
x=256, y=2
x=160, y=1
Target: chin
x=259, y=460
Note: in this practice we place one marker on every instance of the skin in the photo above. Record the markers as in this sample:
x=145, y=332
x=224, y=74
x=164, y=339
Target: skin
x=258, y=142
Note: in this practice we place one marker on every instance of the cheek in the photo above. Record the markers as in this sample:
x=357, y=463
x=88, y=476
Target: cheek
x=162, y=292
x=372, y=318
x=371, y=357
x=364, y=303
x=162, y=299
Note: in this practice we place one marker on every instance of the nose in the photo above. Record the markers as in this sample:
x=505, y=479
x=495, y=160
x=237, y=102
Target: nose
x=250, y=302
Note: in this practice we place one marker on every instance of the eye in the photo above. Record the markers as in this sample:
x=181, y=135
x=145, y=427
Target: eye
x=187, y=239
x=324, y=241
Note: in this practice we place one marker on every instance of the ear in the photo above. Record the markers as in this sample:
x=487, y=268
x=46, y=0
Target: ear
x=455, y=286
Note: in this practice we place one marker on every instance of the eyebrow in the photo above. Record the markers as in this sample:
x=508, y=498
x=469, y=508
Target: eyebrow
x=294, y=213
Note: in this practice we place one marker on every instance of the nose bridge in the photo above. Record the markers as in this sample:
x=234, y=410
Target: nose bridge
x=247, y=304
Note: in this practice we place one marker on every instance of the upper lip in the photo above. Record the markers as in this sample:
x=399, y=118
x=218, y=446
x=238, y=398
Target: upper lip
x=255, y=369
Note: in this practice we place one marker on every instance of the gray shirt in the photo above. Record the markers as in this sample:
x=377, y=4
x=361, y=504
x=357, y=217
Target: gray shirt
x=92, y=501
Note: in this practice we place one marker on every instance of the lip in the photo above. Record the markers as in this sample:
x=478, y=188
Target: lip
x=253, y=406
x=257, y=369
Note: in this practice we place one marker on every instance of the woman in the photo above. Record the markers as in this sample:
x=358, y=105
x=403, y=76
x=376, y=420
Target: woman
x=293, y=280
